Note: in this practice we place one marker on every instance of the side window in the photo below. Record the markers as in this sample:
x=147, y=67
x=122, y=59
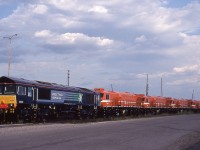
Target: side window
x=21, y=90
x=107, y=96
x=10, y=89
x=101, y=95
x=89, y=98
x=1, y=89
x=30, y=92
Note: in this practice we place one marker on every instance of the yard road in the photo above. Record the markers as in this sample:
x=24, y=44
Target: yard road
x=156, y=133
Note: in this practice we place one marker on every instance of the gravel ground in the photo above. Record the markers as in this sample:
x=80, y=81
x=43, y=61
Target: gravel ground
x=195, y=146
x=189, y=141
x=180, y=132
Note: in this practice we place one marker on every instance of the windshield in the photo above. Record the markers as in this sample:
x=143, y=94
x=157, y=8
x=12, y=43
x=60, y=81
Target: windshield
x=101, y=95
x=10, y=89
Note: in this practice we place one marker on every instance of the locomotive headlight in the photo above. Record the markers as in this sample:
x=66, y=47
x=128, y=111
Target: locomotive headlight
x=11, y=105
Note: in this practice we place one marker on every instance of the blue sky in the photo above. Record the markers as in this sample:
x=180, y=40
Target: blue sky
x=178, y=3
x=105, y=42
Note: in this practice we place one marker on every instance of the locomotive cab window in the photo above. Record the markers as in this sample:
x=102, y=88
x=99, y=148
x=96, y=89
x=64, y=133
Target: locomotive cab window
x=10, y=89
x=30, y=91
x=107, y=96
x=21, y=90
x=101, y=95
x=1, y=89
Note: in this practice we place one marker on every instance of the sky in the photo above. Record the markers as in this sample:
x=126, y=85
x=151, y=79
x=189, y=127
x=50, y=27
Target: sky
x=104, y=43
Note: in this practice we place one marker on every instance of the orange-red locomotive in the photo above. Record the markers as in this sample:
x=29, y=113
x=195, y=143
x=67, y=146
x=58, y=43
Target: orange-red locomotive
x=135, y=104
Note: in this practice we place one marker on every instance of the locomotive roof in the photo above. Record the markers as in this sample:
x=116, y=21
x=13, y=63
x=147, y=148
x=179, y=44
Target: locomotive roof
x=49, y=85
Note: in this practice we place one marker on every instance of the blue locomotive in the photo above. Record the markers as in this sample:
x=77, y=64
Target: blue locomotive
x=23, y=99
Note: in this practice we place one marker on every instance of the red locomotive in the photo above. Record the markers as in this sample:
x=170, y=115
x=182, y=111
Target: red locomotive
x=131, y=103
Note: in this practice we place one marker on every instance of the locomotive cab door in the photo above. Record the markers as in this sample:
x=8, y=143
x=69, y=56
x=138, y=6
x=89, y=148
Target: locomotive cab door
x=35, y=97
x=35, y=106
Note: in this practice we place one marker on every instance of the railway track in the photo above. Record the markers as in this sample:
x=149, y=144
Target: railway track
x=89, y=120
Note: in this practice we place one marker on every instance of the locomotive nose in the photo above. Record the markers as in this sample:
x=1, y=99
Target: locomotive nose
x=7, y=101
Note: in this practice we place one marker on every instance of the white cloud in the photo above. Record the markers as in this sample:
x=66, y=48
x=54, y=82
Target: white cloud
x=62, y=4
x=191, y=68
x=72, y=38
x=104, y=41
x=191, y=81
x=40, y=9
x=66, y=22
x=98, y=9
x=141, y=38
x=43, y=33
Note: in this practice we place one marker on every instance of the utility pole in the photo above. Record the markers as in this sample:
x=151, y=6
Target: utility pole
x=161, y=90
x=68, y=77
x=193, y=95
x=147, y=86
x=9, y=48
x=111, y=87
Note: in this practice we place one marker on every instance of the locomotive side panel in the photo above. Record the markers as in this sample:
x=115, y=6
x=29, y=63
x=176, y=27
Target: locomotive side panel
x=161, y=102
